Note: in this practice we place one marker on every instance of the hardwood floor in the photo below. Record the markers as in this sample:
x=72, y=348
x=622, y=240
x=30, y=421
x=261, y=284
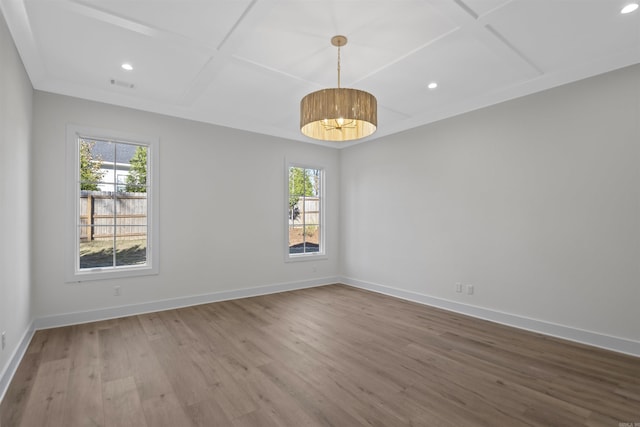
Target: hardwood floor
x=329, y=356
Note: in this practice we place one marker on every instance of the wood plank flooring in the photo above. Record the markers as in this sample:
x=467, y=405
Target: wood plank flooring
x=328, y=356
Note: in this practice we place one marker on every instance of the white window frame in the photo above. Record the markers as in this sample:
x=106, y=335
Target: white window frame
x=322, y=252
x=73, y=272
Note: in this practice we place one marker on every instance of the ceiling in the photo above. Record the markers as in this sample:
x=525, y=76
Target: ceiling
x=246, y=64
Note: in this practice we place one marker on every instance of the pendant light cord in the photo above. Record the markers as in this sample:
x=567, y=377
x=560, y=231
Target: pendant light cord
x=338, y=67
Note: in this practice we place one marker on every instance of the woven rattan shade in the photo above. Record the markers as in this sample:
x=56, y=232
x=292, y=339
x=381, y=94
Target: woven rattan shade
x=321, y=110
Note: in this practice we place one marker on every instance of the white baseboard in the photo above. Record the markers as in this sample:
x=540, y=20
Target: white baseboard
x=169, y=304
x=10, y=368
x=620, y=345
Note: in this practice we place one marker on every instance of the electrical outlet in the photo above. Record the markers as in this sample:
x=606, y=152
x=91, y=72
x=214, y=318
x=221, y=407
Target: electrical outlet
x=458, y=287
x=469, y=289
x=4, y=340
x=116, y=291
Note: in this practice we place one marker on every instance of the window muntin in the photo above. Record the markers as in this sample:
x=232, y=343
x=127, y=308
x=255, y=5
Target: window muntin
x=111, y=200
x=305, y=211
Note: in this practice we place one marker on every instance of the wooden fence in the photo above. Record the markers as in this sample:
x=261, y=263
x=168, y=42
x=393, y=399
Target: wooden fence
x=103, y=213
x=306, y=211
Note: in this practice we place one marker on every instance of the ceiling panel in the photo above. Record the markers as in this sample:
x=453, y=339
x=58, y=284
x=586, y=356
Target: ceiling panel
x=295, y=37
x=261, y=99
x=207, y=22
x=564, y=33
x=462, y=67
x=86, y=51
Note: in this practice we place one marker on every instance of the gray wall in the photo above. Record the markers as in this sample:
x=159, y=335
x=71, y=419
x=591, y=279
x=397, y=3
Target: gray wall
x=16, y=96
x=211, y=239
x=536, y=202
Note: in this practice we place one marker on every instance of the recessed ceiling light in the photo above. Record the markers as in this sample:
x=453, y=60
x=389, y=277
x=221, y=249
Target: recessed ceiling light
x=432, y=85
x=127, y=66
x=629, y=8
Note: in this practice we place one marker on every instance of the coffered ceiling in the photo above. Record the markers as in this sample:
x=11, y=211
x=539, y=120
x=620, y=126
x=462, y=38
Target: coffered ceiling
x=247, y=63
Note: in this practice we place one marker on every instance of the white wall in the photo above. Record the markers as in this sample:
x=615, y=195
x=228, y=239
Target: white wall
x=535, y=201
x=16, y=96
x=210, y=239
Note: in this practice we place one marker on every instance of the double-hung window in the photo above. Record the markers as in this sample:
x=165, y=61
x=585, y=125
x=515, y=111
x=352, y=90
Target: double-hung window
x=305, y=223
x=112, y=204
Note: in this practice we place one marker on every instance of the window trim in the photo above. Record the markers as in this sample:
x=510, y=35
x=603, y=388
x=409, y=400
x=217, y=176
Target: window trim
x=309, y=256
x=73, y=273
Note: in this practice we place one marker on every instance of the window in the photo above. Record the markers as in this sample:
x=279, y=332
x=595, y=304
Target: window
x=305, y=232
x=112, y=204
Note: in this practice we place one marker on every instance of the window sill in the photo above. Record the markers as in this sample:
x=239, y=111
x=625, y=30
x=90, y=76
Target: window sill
x=110, y=273
x=305, y=257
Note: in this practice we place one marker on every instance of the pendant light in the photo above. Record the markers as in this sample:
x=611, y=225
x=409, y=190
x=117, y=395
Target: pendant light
x=338, y=114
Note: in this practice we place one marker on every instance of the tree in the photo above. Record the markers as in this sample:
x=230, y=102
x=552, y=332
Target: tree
x=299, y=185
x=137, y=178
x=90, y=174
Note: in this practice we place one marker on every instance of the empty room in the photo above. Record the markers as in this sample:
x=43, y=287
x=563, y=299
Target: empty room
x=319, y=213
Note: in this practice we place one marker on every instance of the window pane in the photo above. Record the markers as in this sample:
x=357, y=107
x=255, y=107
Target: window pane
x=314, y=180
x=311, y=210
x=131, y=208
x=85, y=221
x=131, y=245
x=131, y=232
x=296, y=239
x=131, y=162
x=312, y=238
x=95, y=253
x=124, y=153
x=103, y=214
x=96, y=165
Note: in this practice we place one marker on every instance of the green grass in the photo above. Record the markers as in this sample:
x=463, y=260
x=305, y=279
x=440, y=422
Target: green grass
x=99, y=253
